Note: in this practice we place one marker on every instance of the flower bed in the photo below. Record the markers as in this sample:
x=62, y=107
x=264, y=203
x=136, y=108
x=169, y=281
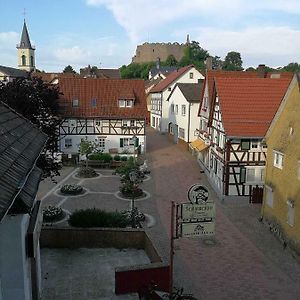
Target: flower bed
x=53, y=214
x=86, y=172
x=128, y=192
x=71, y=189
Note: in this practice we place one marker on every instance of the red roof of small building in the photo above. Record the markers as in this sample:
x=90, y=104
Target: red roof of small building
x=248, y=105
x=170, y=78
x=107, y=92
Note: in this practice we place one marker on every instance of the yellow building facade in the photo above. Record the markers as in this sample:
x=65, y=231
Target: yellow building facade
x=281, y=203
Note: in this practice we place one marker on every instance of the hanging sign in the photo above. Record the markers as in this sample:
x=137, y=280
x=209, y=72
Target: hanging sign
x=198, y=194
x=191, y=211
x=202, y=229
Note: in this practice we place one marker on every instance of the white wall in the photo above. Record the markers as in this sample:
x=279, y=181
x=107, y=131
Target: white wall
x=15, y=270
x=111, y=141
x=185, y=78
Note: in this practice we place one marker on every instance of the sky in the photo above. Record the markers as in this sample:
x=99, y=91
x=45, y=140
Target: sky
x=105, y=33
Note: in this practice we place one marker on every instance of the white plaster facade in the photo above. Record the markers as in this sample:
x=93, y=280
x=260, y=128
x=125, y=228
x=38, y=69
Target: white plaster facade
x=15, y=265
x=183, y=117
x=159, y=116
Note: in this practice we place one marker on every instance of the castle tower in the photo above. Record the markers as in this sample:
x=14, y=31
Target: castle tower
x=26, y=58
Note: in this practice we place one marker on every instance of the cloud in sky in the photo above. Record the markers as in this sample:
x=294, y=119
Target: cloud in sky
x=227, y=25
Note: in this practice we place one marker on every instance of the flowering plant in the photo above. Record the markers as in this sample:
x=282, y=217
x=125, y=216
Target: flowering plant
x=52, y=213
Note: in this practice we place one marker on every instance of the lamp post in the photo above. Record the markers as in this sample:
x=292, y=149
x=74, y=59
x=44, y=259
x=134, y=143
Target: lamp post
x=133, y=178
x=134, y=138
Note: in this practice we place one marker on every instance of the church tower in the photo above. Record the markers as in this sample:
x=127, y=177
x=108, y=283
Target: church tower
x=26, y=59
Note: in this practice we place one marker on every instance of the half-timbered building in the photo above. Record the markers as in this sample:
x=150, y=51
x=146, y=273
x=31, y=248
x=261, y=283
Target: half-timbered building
x=110, y=112
x=231, y=148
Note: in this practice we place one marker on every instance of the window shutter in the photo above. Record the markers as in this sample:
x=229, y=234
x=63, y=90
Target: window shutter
x=121, y=143
x=136, y=142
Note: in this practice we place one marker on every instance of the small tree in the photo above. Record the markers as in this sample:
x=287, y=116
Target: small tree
x=171, y=61
x=85, y=148
x=69, y=69
x=233, y=62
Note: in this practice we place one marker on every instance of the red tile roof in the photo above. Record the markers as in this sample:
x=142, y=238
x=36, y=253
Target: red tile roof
x=248, y=105
x=107, y=92
x=170, y=78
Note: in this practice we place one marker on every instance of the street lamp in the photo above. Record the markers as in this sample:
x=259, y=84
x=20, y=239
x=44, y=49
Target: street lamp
x=133, y=176
x=134, y=139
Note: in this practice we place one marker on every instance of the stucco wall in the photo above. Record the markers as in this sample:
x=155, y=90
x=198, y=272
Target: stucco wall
x=285, y=182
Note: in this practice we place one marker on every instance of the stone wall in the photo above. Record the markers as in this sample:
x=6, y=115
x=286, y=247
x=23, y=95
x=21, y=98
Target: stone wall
x=151, y=51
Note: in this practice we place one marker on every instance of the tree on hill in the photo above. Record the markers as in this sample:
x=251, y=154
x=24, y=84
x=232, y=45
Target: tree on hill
x=170, y=61
x=37, y=102
x=233, y=62
x=69, y=69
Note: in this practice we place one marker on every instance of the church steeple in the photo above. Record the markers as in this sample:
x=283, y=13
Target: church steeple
x=26, y=59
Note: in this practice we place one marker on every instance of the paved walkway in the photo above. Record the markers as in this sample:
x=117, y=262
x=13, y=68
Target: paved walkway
x=244, y=261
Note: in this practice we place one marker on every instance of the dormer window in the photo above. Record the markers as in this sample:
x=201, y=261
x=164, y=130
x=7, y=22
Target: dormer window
x=94, y=102
x=75, y=102
x=126, y=103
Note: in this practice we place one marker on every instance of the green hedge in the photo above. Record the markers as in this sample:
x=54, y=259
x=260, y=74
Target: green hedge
x=93, y=217
x=105, y=157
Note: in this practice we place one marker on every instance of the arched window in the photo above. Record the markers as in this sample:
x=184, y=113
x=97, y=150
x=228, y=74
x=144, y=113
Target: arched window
x=23, y=60
x=31, y=61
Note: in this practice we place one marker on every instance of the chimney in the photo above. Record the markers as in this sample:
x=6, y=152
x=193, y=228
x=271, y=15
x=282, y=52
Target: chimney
x=208, y=63
x=158, y=63
x=188, y=39
x=261, y=71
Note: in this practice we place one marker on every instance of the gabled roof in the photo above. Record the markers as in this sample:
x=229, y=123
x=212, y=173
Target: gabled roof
x=25, y=40
x=20, y=145
x=170, y=79
x=248, y=105
x=13, y=72
x=166, y=70
x=191, y=91
x=107, y=92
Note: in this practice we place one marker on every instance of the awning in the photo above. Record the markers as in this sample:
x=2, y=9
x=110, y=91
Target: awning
x=198, y=145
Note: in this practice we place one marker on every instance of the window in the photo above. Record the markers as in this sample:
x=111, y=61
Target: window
x=183, y=110
x=290, y=212
x=205, y=103
x=125, y=103
x=23, y=60
x=245, y=144
x=169, y=89
x=176, y=109
x=94, y=102
x=132, y=123
x=68, y=143
x=269, y=196
x=181, y=133
x=242, y=175
x=121, y=103
x=255, y=174
x=124, y=123
x=31, y=61
x=72, y=123
x=254, y=145
x=75, y=102
x=172, y=108
x=98, y=123
x=101, y=142
x=216, y=166
x=129, y=103
x=153, y=121
x=191, y=75
x=124, y=142
x=278, y=159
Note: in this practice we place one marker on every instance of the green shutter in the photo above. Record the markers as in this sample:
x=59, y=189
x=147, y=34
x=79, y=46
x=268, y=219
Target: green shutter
x=121, y=143
x=136, y=142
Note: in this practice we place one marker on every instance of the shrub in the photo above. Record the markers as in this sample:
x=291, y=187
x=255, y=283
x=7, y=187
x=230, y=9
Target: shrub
x=105, y=157
x=123, y=158
x=94, y=217
x=71, y=189
x=117, y=157
x=52, y=213
x=128, y=190
x=86, y=172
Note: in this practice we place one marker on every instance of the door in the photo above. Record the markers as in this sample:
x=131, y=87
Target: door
x=256, y=195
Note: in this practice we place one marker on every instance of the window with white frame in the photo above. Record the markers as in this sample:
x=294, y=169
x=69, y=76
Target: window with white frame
x=101, y=142
x=191, y=75
x=278, y=159
x=181, y=133
x=269, y=196
x=68, y=142
x=172, y=108
x=254, y=145
x=176, y=109
x=290, y=212
x=183, y=108
x=205, y=103
x=124, y=142
x=75, y=102
x=255, y=174
x=125, y=103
